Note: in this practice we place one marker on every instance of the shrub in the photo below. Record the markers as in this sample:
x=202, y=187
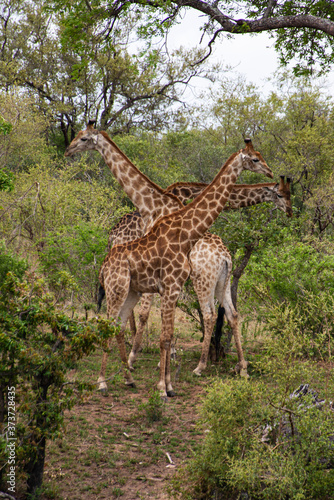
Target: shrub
x=154, y=408
x=39, y=344
x=263, y=438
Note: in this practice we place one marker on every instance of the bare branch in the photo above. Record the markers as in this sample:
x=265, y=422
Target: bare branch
x=269, y=10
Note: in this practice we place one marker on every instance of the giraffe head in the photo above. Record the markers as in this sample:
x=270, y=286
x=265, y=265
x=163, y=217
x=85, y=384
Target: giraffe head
x=282, y=196
x=252, y=160
x=84, y=141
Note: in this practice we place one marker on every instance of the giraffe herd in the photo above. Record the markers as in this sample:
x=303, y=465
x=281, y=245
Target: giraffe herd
x=157, y=248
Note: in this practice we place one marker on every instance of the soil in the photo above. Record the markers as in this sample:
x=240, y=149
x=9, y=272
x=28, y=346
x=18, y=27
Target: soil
x=112, y=447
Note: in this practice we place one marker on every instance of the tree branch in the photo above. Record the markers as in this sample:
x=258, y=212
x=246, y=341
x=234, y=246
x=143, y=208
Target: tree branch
x=239, y=26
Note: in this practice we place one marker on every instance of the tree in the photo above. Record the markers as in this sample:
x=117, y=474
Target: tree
x=91, y=77
x=39, y=344
x=303, y=30
x=6, y=178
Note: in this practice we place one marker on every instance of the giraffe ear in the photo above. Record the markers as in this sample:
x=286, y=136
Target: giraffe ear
x=91, y=123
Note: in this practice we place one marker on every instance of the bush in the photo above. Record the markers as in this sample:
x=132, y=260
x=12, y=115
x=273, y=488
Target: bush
x=39, y=344
x=71, y=260
x=283, y=272
x=265, y=440
x=154, y=408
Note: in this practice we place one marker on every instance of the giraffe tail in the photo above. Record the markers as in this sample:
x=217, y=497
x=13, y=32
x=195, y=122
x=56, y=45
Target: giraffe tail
x=100, y=298
x=218, y=329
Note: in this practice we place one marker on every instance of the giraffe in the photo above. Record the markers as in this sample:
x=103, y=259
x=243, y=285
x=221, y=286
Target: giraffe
x=158, y=262
x=149, y=198
x=205, y=278
x=152, y=203
x=242, y=195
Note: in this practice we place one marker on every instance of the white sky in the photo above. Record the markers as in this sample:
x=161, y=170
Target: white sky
x=252, y=56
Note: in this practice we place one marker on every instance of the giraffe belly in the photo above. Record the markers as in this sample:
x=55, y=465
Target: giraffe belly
x=145, y=283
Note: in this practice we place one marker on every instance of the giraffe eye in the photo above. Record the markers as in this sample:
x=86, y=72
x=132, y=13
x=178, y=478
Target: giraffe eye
x=84, y=139
x=255, y=160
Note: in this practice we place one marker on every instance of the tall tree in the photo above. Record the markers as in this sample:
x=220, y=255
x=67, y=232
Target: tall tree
x=302, y=29
x=95, y=76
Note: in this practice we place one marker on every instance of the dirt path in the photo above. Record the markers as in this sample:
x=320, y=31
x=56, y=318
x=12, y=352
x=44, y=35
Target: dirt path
x=112, y=448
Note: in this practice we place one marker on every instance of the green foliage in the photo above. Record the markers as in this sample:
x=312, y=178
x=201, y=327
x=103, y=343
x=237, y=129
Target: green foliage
x=154, y=408
x=25, y=145
x=285, y=272
x=63, y=218
x=192, y=155
x=10, y=263
x=311, y=321
x=5, y=127
x=72, y=259
x=6, y=180
x=76, y=71
x=260, y=441
x=311, y=47
x=39, y=344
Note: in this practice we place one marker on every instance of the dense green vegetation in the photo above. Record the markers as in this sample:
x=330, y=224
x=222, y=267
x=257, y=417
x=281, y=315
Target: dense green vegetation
x=55, y=216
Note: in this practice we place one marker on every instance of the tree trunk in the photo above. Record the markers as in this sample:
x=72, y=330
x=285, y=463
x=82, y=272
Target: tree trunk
x=35, y=466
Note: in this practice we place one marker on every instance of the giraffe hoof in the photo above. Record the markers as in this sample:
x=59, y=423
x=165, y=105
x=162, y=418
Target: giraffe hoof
x=243, y=373
x=131, y=368
x=131, y=384
x=164, y=399
x=103, y=392
x=197, y=372
x=171, y=394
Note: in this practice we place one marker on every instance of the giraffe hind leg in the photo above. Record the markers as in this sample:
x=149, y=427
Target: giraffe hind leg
x=124, y=315
x=120, y=303
x=144, y=312
x=232, y=318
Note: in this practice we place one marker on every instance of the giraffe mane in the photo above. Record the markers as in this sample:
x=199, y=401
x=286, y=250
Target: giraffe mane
x=262, y=184
x=201, y=195
x=154, y=185
x=185, y=184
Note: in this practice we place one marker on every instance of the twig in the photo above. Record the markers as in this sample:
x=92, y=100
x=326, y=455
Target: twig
x=274, y=448
x=23, y=196
x=169, y=458
x=282, y=408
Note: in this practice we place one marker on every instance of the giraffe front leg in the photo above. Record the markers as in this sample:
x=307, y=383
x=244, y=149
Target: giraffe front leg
x=102, y=385
x=125, y=367
x=169, y=389
x=144, y=312
x=164, y=385
x=168, y=304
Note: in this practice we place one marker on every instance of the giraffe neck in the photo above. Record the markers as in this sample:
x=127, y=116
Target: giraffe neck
x=245, y=195
x=242, y=195
x=189, y=224
x=186, y=191
x=149, y=198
